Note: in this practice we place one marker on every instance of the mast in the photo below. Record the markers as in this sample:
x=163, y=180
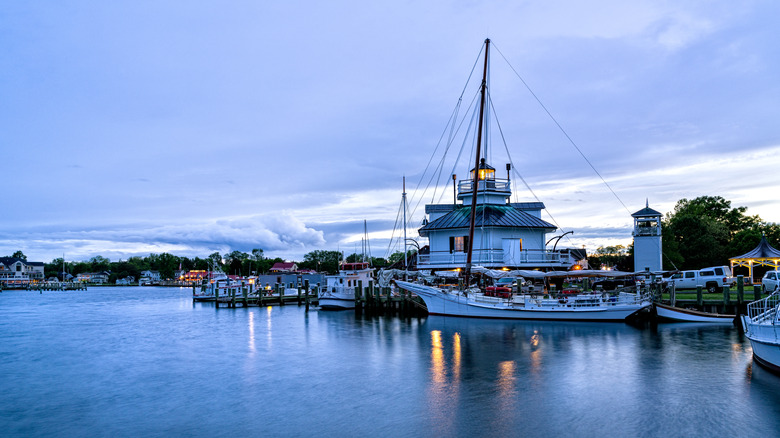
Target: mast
x=406, y=263
x=475, y=180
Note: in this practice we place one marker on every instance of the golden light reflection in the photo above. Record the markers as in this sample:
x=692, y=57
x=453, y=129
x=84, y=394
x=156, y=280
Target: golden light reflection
x=536, y=353
x=268, y=310
x=437, y=358
x=456, y=358
x=506, y=377
x=252, y=332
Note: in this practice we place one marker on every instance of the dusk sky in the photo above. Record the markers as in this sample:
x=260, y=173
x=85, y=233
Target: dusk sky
x=189, y=127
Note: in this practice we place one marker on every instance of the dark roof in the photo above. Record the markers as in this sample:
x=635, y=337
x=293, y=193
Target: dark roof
x=763, y=251
x=647, y=211
x=489, y=215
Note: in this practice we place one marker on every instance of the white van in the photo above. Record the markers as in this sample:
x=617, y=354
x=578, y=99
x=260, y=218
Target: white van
x=712, y=279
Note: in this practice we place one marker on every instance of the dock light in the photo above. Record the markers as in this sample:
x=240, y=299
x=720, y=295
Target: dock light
x=576, y=268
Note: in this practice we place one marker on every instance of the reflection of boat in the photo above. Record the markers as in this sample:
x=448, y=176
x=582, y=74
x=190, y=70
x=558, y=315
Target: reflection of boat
x=339, y=291
x=488, y=199
x=679, y=314
x=762, y=328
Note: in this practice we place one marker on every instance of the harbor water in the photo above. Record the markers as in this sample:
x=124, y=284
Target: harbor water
x=147, y=361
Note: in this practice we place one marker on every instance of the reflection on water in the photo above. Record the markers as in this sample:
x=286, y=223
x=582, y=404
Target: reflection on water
x=147, y=362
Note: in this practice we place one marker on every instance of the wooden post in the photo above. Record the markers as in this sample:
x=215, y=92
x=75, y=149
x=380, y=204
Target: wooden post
x=699, y=297
x=358, y=299
x=244, y=292
x=672, y=294
x=359, y=291
x=299, y=294
x=306, y=286
x=280, y=291
x=740, y=290
x=726, y=296
x=233, y=296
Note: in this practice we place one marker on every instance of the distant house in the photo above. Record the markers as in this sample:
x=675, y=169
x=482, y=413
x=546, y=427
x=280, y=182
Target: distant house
x=93, y=277
x=126, y=281
x=149, y=277
x=16, y=272
x=284, y=267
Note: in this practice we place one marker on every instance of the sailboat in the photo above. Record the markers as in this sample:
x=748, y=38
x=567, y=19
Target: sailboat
x=465, y=300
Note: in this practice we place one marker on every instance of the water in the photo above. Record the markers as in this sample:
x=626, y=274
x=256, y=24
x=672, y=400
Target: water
x=148, y=362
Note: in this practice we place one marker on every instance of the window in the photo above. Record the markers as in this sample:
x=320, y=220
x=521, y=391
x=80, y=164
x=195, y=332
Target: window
x=690, y=274
x=459, y=244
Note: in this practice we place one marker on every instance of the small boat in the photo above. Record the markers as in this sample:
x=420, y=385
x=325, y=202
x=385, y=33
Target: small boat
x=678, y=314
x=209, y=291
x=339, y=290
x=762, y=328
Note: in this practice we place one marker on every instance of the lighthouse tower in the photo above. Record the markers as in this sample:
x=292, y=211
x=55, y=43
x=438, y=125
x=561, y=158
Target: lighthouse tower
x=647, y=239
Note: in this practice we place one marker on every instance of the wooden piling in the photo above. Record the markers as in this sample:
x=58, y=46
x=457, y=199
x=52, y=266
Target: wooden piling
x=740, y=290
x=699, y=297
x=726, y=296
x=306, y=286
x=757, y=292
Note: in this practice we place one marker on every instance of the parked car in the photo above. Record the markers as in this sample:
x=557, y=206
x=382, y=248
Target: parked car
x=712, y=279
x=770, y=281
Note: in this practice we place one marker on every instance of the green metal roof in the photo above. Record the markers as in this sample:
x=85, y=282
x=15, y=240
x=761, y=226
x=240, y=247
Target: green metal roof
x=488, y=215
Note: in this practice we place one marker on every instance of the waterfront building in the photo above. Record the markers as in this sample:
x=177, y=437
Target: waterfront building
x=284, y=267
x=16, y=272
x=93, y=277
x=149, y=277
x=647, y=239
x=506, y=234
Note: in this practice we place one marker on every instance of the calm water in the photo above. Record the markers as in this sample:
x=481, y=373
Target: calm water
x=149, y=362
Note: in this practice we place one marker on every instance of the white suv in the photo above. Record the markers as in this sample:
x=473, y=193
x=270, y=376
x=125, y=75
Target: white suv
x=770, y=281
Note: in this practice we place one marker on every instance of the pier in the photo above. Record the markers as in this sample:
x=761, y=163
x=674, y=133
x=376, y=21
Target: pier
x=78, y=285
x=728, y=302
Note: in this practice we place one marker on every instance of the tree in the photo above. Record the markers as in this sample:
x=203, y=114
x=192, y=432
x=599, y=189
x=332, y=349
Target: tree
x=235, y=262
x=321, y=260
x=100, y=264
x=618, y=257
x=706, y=231
x=19, y=255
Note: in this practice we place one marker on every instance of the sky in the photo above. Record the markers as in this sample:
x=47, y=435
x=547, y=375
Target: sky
x=193, y=127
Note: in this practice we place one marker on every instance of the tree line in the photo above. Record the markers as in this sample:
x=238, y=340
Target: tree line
x=233, y=263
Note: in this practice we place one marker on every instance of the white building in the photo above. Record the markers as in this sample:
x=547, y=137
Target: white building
x=647, y=239
x=506, y=235
x=149, y=277
x=16, y=272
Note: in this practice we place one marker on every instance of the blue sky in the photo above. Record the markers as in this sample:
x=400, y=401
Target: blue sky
x=191, y=127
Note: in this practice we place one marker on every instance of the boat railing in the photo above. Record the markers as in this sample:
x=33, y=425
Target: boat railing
x=497, y=184
x=496, y=257
x=764, y=311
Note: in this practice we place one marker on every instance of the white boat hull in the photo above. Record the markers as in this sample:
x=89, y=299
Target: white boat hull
x=440, y=302
x=337, y=299
x=686, y=315
x=765, y=341
x=334, y=303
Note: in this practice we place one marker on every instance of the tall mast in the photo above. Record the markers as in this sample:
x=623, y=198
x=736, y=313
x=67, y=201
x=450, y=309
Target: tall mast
x=475, y=180
x=406, y=263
